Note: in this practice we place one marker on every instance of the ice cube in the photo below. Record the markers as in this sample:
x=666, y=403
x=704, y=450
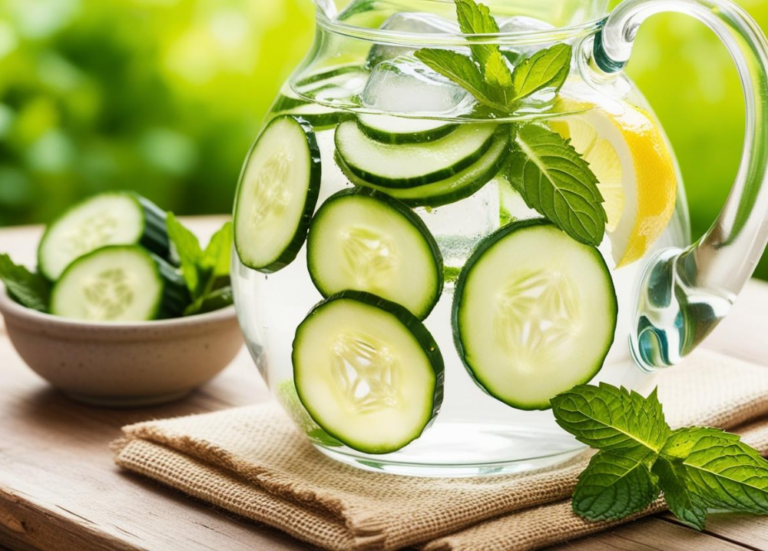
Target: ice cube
x=419, y=23
x=405, y=85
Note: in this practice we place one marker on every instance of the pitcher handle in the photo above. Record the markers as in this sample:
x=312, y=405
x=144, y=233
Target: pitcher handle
x=686, y=293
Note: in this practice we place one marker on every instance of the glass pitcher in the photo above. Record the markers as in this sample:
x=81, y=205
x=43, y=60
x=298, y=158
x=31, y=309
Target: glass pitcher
x=454, y=213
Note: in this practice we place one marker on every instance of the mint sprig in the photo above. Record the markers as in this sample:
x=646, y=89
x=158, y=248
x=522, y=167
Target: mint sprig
x=549, y=173
x=698, y=469
x=27, y=288
x=206, y=272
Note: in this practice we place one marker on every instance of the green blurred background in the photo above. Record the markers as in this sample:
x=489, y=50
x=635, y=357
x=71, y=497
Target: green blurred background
x=164, y=97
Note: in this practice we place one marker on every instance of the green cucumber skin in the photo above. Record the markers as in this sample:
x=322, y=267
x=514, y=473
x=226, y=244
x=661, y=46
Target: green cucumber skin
x=402, y=209
x=405, y=138
x=313, y=192
x=154, y=234
x=438, y=199
x=417, y=329
x=175, y=295
x=408, y=183
x=476, y=256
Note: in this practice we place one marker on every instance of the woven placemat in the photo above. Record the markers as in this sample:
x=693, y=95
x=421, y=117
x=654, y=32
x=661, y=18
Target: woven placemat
x=253, y=462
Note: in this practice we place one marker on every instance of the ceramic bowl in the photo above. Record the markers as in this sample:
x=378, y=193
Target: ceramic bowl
x=123, y=364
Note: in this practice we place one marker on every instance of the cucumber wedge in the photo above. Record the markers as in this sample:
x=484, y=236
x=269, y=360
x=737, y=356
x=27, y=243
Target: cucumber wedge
x=367, y=371
x=112, y=218
x=411, y=165
x=534, y=314
x=119, y=283
x=363, y=240
x=464, y=184
x=277, y=195
x=401, y=130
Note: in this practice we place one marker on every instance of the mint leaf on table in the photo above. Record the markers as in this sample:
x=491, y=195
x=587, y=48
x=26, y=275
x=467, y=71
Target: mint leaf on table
x=546, y=69
x=557, y=182
x=29, y=289
x=698, y=469
x=188, y=250
x=616, y=485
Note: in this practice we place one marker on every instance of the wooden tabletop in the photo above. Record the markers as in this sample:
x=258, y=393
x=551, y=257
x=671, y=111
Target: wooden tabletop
x=60, y=490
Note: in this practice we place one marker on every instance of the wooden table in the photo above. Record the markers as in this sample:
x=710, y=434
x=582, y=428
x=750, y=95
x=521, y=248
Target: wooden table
x=60, y=490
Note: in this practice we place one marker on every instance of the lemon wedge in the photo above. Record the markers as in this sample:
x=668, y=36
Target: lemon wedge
x=627, y=151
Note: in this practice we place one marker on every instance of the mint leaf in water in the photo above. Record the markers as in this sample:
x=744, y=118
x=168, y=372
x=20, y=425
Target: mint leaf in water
x=698, y=469
x=546, y=69
x=188, y=250
x=28, y=289
x=615, y=485
x=463, y=71
x=557, y=182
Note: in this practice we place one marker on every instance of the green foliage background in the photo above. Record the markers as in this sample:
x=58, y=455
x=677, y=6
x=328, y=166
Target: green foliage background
x=164, y=97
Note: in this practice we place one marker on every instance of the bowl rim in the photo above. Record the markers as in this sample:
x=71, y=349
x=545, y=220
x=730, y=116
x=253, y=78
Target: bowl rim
x=9, y=307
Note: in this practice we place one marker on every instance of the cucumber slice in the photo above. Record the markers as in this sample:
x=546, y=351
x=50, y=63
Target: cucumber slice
x=462, y=185
x=411, y=165
x=112, y=218
x=367, y=371
x=364, y=240
x=119, y=283
x=277, y=195
x=319, y=116
x=534, y=314
x=400, y=130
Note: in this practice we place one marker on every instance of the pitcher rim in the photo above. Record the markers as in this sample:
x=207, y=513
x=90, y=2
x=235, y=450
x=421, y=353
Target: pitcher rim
x=401, y=38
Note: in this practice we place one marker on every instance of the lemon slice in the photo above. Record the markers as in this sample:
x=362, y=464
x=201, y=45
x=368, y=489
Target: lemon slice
x=627, y=151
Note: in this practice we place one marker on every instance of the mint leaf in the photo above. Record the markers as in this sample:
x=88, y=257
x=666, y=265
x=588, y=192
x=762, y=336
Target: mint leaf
x=218, y=253
x=477, y=19
x=215, y=300
x=727, y=474
x=614, y=486
x=613, y=419
x=682, y=441
x=686, y=505
x=546, y=69
x=558, y=183
x=188, y=249
x=497, y=74
x=29, y=289
x=464, y=72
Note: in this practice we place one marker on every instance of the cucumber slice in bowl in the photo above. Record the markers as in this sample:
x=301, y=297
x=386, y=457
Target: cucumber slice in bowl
x=364, y=240
x=464, y=184
x=401, y=130
x=534, y=314
x=411, y=165
x=367, y=371
x=119, y=283
x=277, y=195
x=112, y=218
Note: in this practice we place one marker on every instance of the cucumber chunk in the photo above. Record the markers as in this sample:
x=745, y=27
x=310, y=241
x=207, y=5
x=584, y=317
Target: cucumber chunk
x=277, y=195
x=112, y=218
x=534, y=314
x=364, y=240
x=462, y=185
x=411, y=165
x=367, y=371
x=401, y=130
x=119, y=283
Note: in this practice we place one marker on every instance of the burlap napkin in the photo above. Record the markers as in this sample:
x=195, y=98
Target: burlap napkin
x=253, y=462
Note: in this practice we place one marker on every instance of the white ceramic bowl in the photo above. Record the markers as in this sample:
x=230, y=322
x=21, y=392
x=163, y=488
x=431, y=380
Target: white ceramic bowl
x=123, y=364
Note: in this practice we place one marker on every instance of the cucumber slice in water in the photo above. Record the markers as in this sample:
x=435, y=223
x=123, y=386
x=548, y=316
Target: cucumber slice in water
x=277, y=195
x=367, y=371
x=320, y=116
x=363, y=240
x=411, y=165
x=464, y=184
x=534, y=314
x=119, y=283
x=400, y=130
x=112, y=218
